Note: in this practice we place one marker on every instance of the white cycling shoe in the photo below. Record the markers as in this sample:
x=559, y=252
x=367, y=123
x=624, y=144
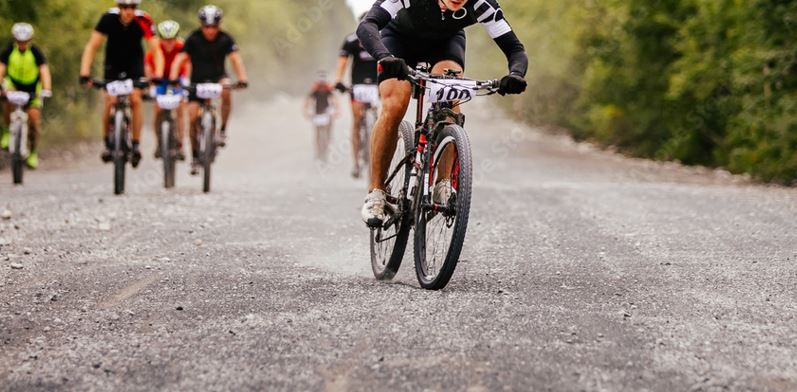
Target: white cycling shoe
x=442, y=192
x=373, y=211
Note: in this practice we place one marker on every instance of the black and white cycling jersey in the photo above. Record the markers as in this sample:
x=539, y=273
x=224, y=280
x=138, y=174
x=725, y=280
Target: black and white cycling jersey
x=422, y=21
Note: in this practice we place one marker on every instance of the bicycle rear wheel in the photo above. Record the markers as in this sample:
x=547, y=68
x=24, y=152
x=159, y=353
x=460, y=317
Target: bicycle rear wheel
x=389, y=242
x=440, y=231
x=17, y=161
x=369, y=119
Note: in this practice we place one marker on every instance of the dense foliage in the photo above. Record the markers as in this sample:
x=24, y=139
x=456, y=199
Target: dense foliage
x=283, y=43
x=709, y=82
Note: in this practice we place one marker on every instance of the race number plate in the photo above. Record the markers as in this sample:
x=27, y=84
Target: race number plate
x=18, y=98
x=450, y=90
x=208, y=90
x=120, y=87
x=169, y=102
x=366, y=93
x=322, y=120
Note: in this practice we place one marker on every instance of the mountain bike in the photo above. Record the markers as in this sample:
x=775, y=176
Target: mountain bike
x=429, y=182
x=18, y=129
x=167, y=134
x=206, y=130
x=119, y=124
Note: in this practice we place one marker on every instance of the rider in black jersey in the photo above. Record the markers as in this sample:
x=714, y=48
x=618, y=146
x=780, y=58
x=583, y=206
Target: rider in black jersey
x=363, y=72
x=207, y=50
x=399, y=33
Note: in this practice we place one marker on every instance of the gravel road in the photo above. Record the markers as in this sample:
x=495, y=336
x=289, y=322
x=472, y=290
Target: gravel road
x=582, y=270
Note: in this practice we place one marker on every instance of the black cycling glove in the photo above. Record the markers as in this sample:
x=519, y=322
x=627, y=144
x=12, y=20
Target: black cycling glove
x=84, y=80
x=242, y=84
x=512, y=84
x=340, y=87
x=392, y=67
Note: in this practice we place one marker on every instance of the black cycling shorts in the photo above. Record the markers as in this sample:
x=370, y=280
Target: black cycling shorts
x=415, y=51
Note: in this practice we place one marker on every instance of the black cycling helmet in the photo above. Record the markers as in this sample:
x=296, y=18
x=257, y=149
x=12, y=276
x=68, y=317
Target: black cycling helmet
x=210, y=15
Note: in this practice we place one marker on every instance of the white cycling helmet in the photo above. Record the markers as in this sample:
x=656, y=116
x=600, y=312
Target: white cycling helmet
x=168, y=29
x=210, y=15
x=128, y=2
x=22, y=32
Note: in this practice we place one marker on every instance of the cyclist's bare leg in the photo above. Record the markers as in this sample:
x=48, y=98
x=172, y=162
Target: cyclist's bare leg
x=446, y=163
x=180, y=115
x=357, y=111
x=226, y=104
x=157, y=128
x=396, y=96
x=35, y=118
x=193, y=116
x=106, y=114
x=7, y=109
x=138, y=114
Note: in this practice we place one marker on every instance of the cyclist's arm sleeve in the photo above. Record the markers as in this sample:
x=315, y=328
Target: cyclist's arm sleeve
x=491, y=17
x=38, y=56
x=231, y=46
x=346, y=49
x=515, y=53
x=5, y=55
x=377, y=19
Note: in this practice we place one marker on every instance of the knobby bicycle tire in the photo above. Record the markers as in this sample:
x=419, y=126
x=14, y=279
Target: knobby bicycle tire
x=386, y=264
x=450, y=135
x=119, y=153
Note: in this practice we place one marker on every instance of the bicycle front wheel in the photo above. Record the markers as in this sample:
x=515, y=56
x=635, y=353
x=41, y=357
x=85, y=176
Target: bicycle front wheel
x=209, y=150
x=17, y=160
x=440, y=227
x=389, y=242
x=119, y=153
x=167, y=148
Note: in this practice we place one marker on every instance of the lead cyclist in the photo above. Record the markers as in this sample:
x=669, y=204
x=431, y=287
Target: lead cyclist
x=401, y=33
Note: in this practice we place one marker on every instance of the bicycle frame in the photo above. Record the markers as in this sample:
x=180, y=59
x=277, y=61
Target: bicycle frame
x=437, y=117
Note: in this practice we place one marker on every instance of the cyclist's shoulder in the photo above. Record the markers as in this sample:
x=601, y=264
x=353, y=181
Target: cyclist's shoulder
x=226, y=37
x=144, y=16
x=6, y=53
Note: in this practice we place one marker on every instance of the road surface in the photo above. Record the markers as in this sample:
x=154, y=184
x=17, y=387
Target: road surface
x=582, y=270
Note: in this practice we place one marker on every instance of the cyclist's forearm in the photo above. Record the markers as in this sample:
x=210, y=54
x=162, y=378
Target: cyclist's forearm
x=238, y=66
x=46, y=76
x=174, y=73
x=343, y=61
x=89, y=52
x=86, y=60
x=515, y=53
x=2, y=71
x=158, y=57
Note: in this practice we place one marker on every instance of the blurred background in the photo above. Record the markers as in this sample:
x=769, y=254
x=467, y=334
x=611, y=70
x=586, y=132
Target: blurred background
x=703, y=82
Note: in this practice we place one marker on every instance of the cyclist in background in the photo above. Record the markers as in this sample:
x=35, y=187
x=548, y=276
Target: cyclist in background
x=170, y=46
x=124, y=27
x=23, y=67
x=363, y=71
x=320, y=107
x=207, y=50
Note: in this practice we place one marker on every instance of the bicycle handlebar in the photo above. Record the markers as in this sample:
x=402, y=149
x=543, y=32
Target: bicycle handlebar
x=490, y=86
x=100, y=84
